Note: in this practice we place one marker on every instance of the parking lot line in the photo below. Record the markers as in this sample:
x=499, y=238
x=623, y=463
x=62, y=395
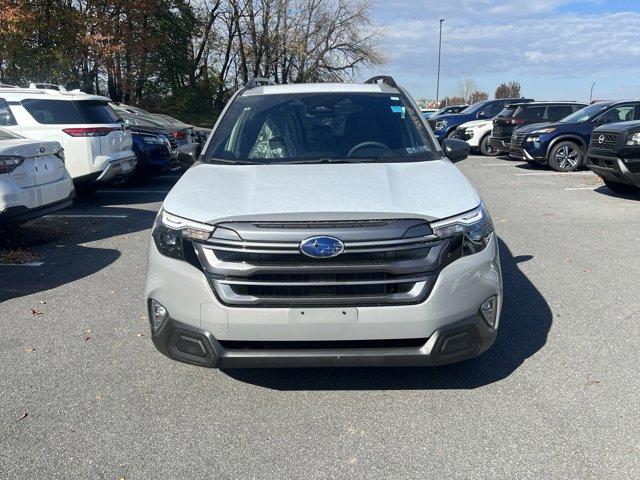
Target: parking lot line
x=133, y=191
x=540, y=174
x=582, y=188
x=87, y=216
x=501, y=164
x=30, y=264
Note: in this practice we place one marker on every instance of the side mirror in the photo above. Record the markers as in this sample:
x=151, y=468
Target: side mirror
x=481, y=115
x=602, y=120
x=455, y=150
x=188, y=154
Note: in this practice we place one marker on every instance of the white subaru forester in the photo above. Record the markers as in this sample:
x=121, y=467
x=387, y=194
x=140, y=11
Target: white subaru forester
x=323, y=225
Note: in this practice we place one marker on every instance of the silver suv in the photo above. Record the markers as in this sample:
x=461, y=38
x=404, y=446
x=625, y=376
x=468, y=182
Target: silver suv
x=322, y=225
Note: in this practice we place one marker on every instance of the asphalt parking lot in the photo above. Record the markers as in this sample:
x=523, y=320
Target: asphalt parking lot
x=86, y=395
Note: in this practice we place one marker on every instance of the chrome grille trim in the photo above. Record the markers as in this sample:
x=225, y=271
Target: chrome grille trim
x=268, y=268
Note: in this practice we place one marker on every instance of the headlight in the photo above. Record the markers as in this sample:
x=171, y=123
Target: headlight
x=633, y=139
x=469, y=132
x=543, y=130
x=170, y=233
x=153, y=140
x=441, y=124
x=475, y=228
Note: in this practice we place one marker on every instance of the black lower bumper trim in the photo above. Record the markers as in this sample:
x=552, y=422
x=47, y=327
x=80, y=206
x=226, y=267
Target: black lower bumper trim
x=499, y=143
x=21, y=213
x=614, y=169
x=453, y=343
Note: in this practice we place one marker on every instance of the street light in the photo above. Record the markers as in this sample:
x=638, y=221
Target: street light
x=439, y=56
x=591, y=94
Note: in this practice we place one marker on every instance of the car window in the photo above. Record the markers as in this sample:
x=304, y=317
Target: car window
x=507, y=112
x=493, y=108
x=321, y=126
x=6, y=117
x=96, y=111
x=52, y=112
x=531, y=113
x=620, y=113
x=586, y=113
x=556, y=112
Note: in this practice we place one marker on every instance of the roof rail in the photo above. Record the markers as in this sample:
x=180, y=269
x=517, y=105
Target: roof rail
x=6, y=85
x=258, y=82
x=385, y=79
x=47, y=86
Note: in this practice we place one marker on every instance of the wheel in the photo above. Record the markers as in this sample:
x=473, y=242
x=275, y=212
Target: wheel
x=622, y=188
x=452, y=134
x=486, y=149
x=565, y=157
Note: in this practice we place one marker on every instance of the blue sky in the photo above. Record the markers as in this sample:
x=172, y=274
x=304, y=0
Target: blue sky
x=555, y=48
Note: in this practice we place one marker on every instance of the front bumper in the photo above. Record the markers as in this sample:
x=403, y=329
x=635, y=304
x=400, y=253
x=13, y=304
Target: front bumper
x=615, y=169
x=500, y=143
x=459, y=290
x=453, y=343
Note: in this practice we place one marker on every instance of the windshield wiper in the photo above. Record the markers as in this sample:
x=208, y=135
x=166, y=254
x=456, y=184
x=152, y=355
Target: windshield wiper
x=326, y=160
x=229, y=161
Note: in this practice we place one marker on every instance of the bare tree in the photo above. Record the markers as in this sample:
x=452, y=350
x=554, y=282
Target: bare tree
x=465, y=87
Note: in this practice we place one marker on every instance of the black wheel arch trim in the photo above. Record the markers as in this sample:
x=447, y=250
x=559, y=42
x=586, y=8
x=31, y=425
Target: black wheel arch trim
x=567, y=137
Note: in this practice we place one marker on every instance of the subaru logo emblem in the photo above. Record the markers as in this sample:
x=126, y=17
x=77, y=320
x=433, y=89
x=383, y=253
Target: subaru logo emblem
x=601, y=139
x=322, y=247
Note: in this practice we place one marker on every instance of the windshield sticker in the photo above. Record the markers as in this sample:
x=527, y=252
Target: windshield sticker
x=398, y=109
x=417, y=150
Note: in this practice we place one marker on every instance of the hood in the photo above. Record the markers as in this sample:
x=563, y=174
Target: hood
x=476, y=123
x=537, y=126
x=631, y=126
x=213, y=193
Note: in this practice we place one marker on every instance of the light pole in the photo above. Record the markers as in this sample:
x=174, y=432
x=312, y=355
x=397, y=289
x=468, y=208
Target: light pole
x=591, y=94
x=439, y=56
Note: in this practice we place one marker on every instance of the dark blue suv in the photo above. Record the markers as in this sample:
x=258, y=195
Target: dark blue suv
x=444, y=126
x=563, y=145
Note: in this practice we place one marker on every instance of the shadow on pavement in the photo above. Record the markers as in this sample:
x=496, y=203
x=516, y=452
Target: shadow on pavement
x=604, y=190
x=524, y=325
x=59, y=241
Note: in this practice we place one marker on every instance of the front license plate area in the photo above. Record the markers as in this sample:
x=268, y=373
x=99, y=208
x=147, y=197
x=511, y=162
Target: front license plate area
x=323, y=316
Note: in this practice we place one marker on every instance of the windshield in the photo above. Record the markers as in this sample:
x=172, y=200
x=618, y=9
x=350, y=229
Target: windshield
x=474, y=108
x=585, y=114
x=321, y=127
x=507, y=112
x=139, y=120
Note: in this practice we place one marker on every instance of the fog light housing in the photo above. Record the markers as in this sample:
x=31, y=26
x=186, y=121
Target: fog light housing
x=489, y=311
x=157, y=315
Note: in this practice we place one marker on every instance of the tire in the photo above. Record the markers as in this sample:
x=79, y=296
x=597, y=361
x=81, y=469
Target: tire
x=452, y=134
x=621, y=188
x=566, y=156
x=486, y=149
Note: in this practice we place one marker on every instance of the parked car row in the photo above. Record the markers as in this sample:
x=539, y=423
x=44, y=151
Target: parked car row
x=566, y=136
x=55, y=143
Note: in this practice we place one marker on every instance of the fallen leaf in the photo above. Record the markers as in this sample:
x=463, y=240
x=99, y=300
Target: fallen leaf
x=593, y=382
x=43, y=302
x=587, y=270
x=139, y=334
x=87, y=335
x=353, y=460
x=35, y=312
x=23, y=415
x=29, y=349
x=98, y=397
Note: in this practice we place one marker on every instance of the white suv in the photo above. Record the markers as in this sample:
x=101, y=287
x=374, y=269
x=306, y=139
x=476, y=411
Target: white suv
x=97, y=147
x=324, y=225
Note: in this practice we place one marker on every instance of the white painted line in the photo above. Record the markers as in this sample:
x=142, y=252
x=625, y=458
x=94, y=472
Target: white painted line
x=87, y=216
x=582, y=188
x=499, y=164
x=132, y=191
x=29, y=264
x=553, y=173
